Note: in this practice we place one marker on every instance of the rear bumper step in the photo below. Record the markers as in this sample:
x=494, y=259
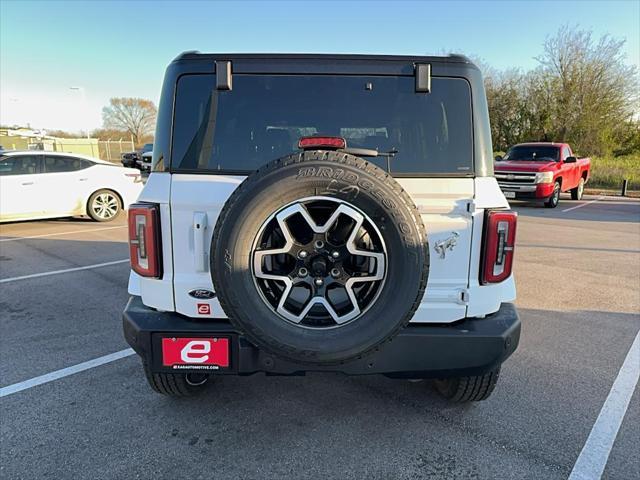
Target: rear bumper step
x=469, y=347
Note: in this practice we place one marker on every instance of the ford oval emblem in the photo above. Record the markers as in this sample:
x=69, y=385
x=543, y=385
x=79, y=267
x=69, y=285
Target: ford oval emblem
x=201, y=293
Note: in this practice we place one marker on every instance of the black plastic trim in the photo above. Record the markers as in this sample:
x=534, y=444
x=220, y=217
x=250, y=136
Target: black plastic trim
x=468, y=347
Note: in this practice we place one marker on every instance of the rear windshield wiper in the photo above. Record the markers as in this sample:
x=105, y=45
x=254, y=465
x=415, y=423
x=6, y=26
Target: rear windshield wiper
x=370, y=152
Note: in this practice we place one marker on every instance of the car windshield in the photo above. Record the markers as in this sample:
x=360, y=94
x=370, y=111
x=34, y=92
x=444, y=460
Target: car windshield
x=263, y=117
x=532, y=152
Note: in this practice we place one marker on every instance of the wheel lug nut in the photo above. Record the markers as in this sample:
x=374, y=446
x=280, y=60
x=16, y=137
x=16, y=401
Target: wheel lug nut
x=303, y=272
x=335, y=273
x=335, y=254
x=319, y=282
x=302, y=254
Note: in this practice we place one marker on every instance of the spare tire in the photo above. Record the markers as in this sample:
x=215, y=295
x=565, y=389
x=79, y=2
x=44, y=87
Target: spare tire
x=319, y=257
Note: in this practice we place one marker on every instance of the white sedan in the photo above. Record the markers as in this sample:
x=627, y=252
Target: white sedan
x=38, y=184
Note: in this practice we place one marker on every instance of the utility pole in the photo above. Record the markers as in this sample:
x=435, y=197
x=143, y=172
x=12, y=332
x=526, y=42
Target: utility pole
x=84, y=102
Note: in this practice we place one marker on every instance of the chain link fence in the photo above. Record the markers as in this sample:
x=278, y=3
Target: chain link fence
x=109, y=150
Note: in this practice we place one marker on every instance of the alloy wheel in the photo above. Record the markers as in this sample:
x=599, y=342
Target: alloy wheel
x=319, y=262
x=105, y=206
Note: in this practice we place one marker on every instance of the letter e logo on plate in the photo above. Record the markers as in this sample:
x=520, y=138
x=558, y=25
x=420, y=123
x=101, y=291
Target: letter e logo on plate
x=196, y=351
x=204, y=309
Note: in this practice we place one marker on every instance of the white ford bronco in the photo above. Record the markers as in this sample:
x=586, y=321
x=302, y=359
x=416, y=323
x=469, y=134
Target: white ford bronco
x=331, y=213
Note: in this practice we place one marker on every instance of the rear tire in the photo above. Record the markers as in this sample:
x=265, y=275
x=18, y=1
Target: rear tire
x=468, y=389
x=554, y=199
x=576, y=193
x=104, y=206
x=176, y=385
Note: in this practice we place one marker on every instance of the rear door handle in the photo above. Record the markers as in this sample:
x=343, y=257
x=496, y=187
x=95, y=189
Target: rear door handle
x=27, y=183
x=83, y=179
x=199, y=239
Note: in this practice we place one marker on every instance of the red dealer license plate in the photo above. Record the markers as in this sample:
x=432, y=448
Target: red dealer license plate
x=195, y=353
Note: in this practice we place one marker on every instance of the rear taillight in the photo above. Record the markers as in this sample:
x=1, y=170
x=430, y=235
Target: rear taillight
x=144, y=239
x=499, y=242
x=137, y=178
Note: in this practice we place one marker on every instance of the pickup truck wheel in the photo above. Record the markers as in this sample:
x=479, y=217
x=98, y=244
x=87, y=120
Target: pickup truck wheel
x=554, y=199
x=176, y=385
x=576, y=193
x=468, y=389
x=319, y=257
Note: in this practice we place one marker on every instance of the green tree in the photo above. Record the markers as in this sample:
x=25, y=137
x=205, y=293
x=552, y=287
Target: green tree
x=506, y=96
x=582, y=93
x=594, y=93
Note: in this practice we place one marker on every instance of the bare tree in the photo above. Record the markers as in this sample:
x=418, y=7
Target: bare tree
x=110, y=134
x=133, y=115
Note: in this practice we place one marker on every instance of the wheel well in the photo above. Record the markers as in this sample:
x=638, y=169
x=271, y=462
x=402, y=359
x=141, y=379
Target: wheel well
x=559, y=180
x=584, y=175
x=86, y=205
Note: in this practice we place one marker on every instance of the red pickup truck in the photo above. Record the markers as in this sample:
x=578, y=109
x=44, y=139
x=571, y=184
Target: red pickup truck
x=540, y=171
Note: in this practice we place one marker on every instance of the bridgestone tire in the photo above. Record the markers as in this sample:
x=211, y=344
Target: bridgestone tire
x=468, y=389
x=174, y=385
x=345, y=178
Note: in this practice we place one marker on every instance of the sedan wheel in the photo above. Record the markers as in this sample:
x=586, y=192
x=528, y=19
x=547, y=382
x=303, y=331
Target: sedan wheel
x=104, y=206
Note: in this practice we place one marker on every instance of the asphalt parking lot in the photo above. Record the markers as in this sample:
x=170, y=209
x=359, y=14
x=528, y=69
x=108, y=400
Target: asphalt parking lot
x=578, y=277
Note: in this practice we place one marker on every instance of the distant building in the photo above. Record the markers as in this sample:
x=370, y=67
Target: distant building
x=29, y=139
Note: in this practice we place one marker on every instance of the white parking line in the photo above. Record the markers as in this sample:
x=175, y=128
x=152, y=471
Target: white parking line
x=61, y=233
x=595, y=453
x=583, y=204
x=66, y=270
x=65, y=372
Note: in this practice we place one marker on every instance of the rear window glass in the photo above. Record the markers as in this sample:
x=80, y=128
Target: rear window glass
x=264, y=116
x=533, y=152
x=56, y=164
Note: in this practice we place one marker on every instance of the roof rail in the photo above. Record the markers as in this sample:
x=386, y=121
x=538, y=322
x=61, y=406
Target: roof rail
x=461, y=57
x=185, y=53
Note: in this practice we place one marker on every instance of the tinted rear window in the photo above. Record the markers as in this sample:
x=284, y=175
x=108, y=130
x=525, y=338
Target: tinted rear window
x=263, y=117
x=56, y=164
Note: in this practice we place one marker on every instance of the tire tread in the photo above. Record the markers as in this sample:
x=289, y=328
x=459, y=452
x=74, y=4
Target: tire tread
x=468, y=389
x=169, y=384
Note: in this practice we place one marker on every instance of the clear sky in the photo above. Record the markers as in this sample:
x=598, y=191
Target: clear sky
x=117, y=48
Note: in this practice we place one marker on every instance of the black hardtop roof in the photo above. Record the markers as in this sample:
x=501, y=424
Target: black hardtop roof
x=451, y=58
x=448, y=66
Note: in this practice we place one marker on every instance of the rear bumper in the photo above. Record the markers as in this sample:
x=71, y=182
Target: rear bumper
x=470, y=347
